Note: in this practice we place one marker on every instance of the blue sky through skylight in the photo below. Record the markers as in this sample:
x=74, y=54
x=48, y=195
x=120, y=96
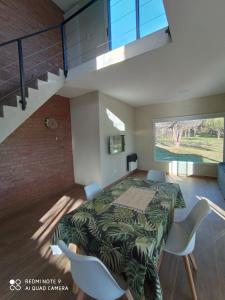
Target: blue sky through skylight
x=123, y=20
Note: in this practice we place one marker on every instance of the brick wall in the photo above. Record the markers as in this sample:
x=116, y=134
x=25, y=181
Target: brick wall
x=42, y=53
x=36, y=162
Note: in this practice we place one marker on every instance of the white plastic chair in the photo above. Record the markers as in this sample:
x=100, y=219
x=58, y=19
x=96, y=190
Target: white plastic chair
x=157, y=176
x=93, y=278
x=92, y=190
x=181, y=239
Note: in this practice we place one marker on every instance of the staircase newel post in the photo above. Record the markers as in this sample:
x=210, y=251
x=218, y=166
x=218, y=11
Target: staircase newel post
x=22, y=79
x=64, y=51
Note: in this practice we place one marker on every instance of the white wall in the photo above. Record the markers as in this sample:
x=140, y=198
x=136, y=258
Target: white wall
x=91, y=128
x=85, y=138
x=86, y=35
x=144, y=138
x=113, y=167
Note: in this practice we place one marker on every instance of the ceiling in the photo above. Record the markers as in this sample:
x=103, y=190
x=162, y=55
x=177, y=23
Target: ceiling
x=193, y=65
x=65, y=5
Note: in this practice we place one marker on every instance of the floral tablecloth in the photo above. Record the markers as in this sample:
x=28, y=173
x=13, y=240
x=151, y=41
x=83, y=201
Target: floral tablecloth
x=127, y=242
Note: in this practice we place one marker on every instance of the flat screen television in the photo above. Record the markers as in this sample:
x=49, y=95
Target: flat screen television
x=116, y=144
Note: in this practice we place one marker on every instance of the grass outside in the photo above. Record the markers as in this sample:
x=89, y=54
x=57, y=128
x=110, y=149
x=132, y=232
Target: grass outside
x=193, y=149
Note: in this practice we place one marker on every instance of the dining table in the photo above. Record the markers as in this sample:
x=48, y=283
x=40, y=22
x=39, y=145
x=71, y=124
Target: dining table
x=128, y=240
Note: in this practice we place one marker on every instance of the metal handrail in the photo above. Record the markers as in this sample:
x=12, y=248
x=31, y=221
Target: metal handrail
x=19, y=40
x=51, y=27
x=107, y=43
x=31, y=68
x=15, y=90
x=31, y=55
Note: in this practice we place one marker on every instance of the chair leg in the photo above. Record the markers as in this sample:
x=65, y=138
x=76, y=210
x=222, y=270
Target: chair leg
x=129, y=295
x=193, y=262
x=190, y=277
x=75, y=288
x=80, y=296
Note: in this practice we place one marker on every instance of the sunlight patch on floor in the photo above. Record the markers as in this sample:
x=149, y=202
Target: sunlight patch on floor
x=175, y=178
x=61, y=262
x=48, y=222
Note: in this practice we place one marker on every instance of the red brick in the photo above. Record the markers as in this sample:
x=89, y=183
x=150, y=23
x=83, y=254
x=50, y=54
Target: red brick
x=21, y=17
x=33, y=165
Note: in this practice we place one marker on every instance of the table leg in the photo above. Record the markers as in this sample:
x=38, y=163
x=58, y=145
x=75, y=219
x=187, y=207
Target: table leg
x=74, y=248
x=160, y=260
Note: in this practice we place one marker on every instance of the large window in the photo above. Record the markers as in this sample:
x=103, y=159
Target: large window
x=152, y=16
x=191, y=140
x=122, y=22
x=132, y=19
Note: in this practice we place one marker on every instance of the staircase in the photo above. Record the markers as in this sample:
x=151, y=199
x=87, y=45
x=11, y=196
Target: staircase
x=11, y=117
x=20, y=104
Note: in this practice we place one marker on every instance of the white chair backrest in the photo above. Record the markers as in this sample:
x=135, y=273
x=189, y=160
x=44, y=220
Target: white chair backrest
x=92, y=190
x=91, y=275
x=157, y=176
x=195, y=218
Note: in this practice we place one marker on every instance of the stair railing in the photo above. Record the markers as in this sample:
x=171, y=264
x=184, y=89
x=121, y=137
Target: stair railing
x=19, y=42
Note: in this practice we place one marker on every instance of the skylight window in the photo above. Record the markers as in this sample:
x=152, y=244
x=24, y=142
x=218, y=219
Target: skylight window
x=152, y=16
x=132, y=19
x=122, y=22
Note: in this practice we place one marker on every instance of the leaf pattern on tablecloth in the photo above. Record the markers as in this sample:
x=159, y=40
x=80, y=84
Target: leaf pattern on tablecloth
x=127, y=242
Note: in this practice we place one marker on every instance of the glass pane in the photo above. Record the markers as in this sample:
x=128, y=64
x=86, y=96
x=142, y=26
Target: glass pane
x=199, y=141
x=123, y=22
x=152, y=16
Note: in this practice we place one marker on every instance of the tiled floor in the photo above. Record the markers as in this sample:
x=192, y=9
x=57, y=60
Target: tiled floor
x=24, y=251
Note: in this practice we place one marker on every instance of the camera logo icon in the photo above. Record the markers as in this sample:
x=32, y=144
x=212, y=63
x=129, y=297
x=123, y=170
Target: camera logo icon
x=15, y=284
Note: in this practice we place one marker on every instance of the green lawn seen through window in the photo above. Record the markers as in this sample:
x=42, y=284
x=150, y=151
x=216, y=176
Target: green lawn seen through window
x=199, y=141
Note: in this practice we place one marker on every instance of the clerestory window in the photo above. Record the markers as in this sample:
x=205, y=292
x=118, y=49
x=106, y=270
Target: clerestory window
x=133, y=19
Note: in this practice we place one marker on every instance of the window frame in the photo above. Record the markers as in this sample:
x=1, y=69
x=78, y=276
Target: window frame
x=137, y=13
x=187, y=118
x=109, y=31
